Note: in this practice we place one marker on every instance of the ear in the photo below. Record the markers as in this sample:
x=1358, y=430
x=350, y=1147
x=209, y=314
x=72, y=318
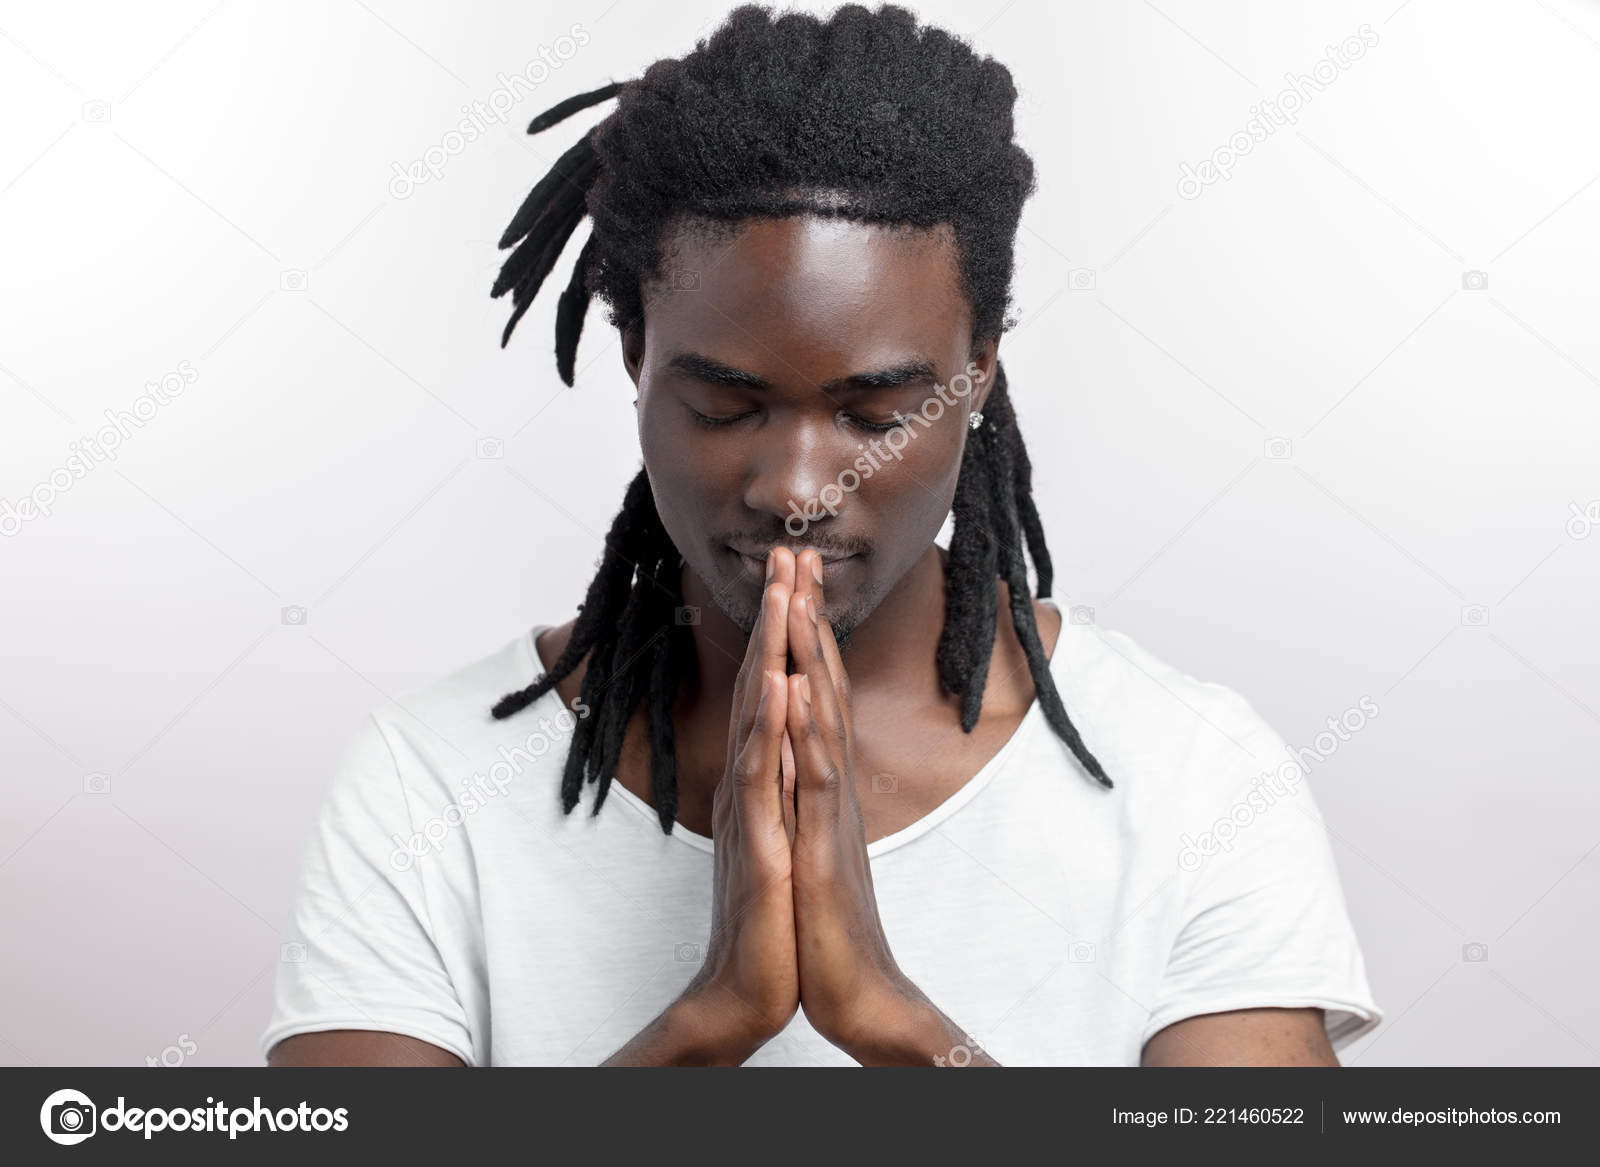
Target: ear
x=633, y=350
x=987, y=362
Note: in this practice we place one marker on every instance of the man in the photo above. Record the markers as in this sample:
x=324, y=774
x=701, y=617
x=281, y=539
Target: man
x=852, y=821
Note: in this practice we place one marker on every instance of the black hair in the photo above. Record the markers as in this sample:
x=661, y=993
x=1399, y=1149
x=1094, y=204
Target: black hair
x=862, y=115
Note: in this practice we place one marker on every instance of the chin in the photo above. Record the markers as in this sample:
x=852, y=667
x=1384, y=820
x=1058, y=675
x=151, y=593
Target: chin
x=728, y=592
x=740, y=601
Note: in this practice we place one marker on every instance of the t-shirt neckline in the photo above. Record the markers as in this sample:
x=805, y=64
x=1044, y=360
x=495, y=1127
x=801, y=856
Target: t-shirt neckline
x=968, y=790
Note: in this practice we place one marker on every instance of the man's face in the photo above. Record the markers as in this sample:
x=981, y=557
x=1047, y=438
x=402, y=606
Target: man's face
x=782, y=330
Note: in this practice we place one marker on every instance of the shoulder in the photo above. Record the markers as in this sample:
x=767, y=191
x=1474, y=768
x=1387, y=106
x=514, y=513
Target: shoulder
x=1152, y=723
x=460, y=699
x=431, y=733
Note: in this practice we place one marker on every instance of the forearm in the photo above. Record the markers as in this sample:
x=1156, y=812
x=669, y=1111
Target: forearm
x=692, y=1031
x=910, y=1030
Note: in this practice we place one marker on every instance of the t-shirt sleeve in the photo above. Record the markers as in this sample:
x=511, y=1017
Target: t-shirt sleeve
x=362, y=953
x=1264, y=921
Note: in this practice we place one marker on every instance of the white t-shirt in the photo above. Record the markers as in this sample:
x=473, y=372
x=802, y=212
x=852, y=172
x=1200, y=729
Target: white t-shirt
x=443, y=893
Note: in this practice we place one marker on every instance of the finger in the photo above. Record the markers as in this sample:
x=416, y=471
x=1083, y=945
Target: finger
x=836, y=670
x=787, y=759
x=805, y=645
x=768, y=649
x=830, y=646
x=741, y=706
x=818, y=780
x=756, y=776
x=788, y=782
x=769, y=641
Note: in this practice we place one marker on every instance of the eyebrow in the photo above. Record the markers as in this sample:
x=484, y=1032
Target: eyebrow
x=714, y=372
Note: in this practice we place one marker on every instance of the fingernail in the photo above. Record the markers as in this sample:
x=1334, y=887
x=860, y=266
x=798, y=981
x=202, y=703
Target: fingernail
x=816, y=568
x=811, y=608
x=805, y=690
x=769, y=566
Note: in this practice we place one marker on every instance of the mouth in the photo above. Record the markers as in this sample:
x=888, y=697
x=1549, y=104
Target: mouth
x=755, y=568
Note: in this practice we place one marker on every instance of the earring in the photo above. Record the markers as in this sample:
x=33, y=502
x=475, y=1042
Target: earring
x=974, y=420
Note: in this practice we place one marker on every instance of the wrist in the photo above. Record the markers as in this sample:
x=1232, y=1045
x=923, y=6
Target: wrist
x=712, y=1030
x=899, y=1026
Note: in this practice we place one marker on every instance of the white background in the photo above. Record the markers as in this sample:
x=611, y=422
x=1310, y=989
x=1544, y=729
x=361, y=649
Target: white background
x=1419, y=545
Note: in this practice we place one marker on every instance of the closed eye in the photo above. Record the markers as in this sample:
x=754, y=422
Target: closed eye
x=876, y=427
x=701, y=419
x=707, y=422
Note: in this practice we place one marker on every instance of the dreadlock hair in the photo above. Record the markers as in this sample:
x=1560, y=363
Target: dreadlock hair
x=863, y=115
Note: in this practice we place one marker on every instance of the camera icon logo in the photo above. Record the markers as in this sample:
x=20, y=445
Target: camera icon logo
x=293, y=952
x=1475, y=953
x=1475, y=616
x=97, y=783
x=1080, y=614
x=67, y=1117
x=686, y=953
x=1081, y=279
x=885, y=784
x=686, y=281
x=1278, y=449
x=294, y=614
x=686, y=615
x=294, y=280
x=97, y=111
x=1475, y=281
x=491, y=448
x=1081, y=952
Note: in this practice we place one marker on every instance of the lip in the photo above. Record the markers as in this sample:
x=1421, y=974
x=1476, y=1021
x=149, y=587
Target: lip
x=756, y=569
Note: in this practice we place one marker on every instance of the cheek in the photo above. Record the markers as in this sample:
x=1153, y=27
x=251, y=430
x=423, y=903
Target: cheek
x=908, y=501
x=686, y=484
x=671, y=454
x=919, y=473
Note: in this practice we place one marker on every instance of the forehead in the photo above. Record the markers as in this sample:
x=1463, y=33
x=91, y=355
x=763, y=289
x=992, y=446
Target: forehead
x=808, y=289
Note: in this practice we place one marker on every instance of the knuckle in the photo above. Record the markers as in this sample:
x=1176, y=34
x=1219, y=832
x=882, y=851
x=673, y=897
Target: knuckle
x=746, y=770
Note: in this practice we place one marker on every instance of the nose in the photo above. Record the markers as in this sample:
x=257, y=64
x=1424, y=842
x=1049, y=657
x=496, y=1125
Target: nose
x=794, y=466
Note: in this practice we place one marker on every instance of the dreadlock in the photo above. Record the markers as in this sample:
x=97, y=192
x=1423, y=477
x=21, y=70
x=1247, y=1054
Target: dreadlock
x=862, y=115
